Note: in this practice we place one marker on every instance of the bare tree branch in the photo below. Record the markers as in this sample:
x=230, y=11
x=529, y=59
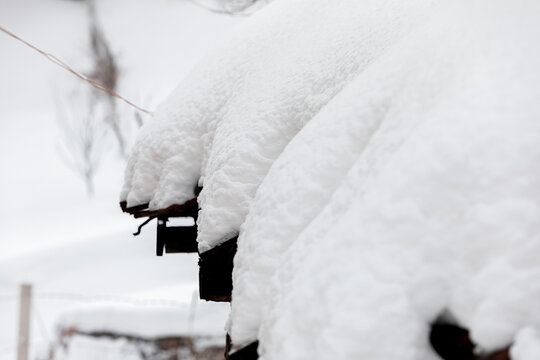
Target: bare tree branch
x=105, y=71
x=83, y=135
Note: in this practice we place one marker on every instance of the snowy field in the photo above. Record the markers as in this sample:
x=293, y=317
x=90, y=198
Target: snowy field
x=77, y=250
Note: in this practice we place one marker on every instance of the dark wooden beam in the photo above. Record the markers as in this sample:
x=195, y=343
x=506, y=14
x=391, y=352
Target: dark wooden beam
x=170, y=239
x=248, y=352
x=452, y=342
x=503, y=354
x=215, y=272
x=175, y=239
x=188, y=209
x=132, y=210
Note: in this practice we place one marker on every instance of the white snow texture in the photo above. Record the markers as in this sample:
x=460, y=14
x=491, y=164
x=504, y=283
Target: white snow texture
x=226, y=123
x=413, y=189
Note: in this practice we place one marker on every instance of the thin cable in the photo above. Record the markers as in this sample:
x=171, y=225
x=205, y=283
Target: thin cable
x=6, y=281
x=144, y=302
x=8, y=297
x=62, y=64
x=8, y=350
x=41, y=323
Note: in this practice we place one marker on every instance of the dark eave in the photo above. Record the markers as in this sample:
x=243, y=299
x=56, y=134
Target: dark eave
x=133, y=209
x=248, y=352
x=169, y=239
x=452, y=342
x=215, y=271
x=188, y=209
x=175, y=239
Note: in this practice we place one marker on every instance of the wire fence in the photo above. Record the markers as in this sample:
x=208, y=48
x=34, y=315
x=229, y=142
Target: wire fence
x=90, y=298
x=43, y=336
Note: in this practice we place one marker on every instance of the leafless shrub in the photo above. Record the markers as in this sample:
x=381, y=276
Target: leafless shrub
x=86, y=116
x=105, y=71
x=83, y=135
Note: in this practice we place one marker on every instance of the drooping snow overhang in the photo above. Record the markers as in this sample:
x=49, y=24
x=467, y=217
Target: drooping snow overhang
x=231, y=118
x=225, y=125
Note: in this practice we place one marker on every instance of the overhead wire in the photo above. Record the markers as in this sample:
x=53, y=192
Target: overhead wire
x=40, y=322
x=145, y=302
x=62, y=64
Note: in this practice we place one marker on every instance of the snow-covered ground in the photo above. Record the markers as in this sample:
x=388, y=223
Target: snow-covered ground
x=73, y=249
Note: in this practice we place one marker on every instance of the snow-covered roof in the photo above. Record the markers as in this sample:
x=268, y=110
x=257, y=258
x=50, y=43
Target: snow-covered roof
x=151, y=322
x=380, y=162
x=230, y=119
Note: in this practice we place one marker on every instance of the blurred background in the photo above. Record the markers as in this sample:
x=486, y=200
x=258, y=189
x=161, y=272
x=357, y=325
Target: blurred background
x=95, y=290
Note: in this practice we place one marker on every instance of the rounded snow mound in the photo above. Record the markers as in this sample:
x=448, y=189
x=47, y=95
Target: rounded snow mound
x=230, y=119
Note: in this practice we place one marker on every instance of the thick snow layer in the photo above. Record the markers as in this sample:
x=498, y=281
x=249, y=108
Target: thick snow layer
x=148, y=322
x=438, y=209
x=226, y=123
x=527, y=345
x=301, y=181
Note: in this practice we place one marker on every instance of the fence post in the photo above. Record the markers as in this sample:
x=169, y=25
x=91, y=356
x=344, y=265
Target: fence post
x=24, y=322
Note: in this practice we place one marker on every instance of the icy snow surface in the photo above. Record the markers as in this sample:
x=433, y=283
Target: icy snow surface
x=437, y=209
x=230, y=119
